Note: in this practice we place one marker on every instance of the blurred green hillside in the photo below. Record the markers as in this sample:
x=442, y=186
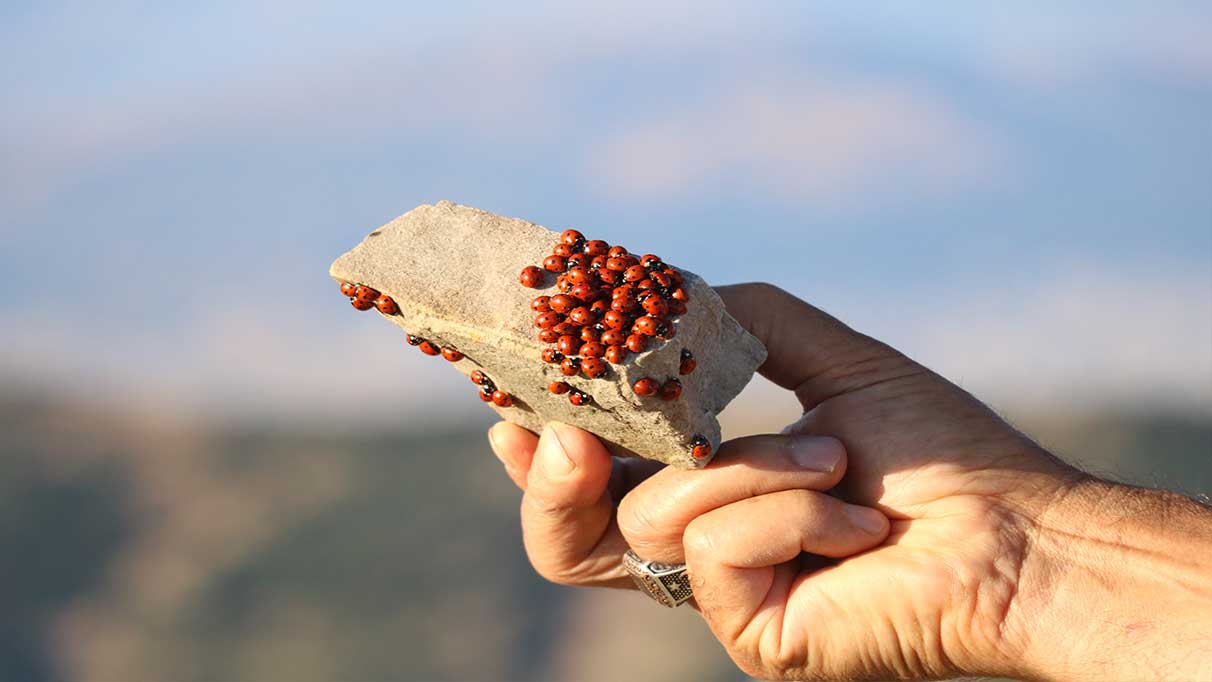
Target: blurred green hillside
x=143, y=545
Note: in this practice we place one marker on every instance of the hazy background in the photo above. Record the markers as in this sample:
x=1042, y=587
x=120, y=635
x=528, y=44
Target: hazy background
x=212, y=467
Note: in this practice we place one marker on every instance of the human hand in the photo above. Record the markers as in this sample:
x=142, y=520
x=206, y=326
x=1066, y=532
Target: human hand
x=994, y=556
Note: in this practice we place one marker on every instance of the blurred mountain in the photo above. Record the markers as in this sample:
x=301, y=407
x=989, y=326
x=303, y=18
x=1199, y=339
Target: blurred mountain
x=138, y=544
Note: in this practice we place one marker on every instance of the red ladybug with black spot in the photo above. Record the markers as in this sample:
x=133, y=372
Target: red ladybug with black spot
x=671, y=390
x=594, y=367
x=531, y=277
x=386, y=305
x=646, y=387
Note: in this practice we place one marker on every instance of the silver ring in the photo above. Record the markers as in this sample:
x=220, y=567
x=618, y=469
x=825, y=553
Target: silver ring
x=668, y=584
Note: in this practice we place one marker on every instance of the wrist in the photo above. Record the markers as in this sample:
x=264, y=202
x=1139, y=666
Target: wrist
x=1117, y=584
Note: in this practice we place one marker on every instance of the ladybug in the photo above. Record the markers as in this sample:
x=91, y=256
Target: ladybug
x=531, y=277
x=552, y=356
x=563, y=284
x=582, y=316
x=451, y=354
x=568, y=344
x=662, y=280
x=360, y=304
x=616, y=354
x=567, y=329
x=541, y=304
x=561, y=303
x=646, y=387
x=349, y=289
x=613, y=319
x=616, y=263
x=651, y=262
x=645, y=285
x=554, y=263
x=562, y=250
x=485, y=395
x=646, y=325
x=597, y=263
x=671, y=390
x=477, y=377
x=570, y=366
x=579, y=275
x=679, y=294
x=608, y=276
x=428, y=348
x=594, y=367
x=590, y=334
x=596, y=247
x=387, y=305
x=614, y=337
x=593, y=349
x=688, y=363
x=580, y=260
x=599, y=307
x=571, y=237
x=700, y=448
x=637, y=343
x=656, y=306
x=624, y=304
x=616, y=252
x=675, y=277
x=547, y=320
x=677, y=308
x=559, y=387
x=364, y=293
x=583, y=292
x=414, y=340
x=548, y=335
x=502, y=399
x=579, y=398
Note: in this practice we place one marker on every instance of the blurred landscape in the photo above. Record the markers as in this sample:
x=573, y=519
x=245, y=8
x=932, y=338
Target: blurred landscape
x=139, y=545
x=211, y=468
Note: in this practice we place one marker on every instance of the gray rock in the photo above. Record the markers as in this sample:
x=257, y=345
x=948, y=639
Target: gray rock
x=453, y=270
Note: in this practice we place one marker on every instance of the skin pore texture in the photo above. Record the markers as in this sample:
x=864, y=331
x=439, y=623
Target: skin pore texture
x=899, y=529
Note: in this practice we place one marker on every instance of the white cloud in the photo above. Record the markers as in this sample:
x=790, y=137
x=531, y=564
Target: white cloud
x=1080, y=339
x=812, y=139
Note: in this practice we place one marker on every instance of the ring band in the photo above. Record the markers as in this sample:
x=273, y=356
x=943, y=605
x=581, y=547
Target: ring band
x=668, y=584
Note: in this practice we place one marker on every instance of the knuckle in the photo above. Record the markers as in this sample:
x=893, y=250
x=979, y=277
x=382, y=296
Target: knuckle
x=556, y=573
x=698, y=541
x=636, y=521
x=777, y=659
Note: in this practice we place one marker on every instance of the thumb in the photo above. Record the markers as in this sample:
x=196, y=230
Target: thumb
x=567, y=512
x=809, y=351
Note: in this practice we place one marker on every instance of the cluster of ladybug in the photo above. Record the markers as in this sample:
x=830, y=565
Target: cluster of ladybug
x=364, y=298
x=488, y=390
x=609, y=303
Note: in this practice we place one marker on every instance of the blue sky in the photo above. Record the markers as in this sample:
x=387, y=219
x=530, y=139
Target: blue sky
x=1019, y=196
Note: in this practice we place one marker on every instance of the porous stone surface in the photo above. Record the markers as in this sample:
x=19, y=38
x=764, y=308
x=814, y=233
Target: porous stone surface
x=453, y=270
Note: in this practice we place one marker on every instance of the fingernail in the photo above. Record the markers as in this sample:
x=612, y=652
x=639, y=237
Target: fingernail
x=865, y=518
x=492, y=440
x=554, y=458
x=816, y=454
x=502, y=455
